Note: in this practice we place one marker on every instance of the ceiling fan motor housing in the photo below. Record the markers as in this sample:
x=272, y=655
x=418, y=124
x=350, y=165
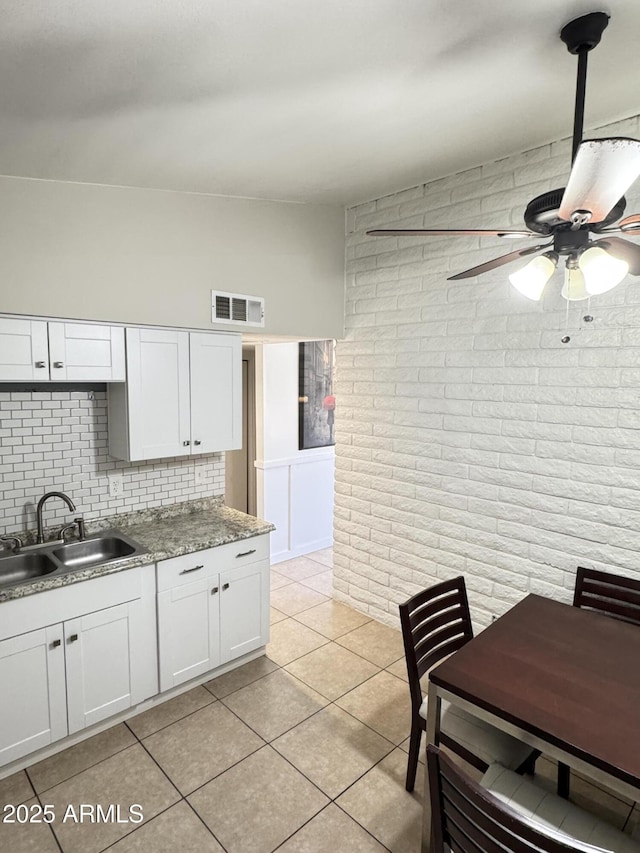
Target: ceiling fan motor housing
x=541, y=214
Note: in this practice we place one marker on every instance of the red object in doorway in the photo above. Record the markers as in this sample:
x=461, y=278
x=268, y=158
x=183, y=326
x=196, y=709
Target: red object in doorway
x=329, y=402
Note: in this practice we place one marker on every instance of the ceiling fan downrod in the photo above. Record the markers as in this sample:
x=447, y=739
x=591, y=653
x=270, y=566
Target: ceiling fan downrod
x=580, y=37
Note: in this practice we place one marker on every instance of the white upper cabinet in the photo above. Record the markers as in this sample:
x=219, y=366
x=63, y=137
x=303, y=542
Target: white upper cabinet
x=63, y=352
x=182, y=395
x=24, y=350
x=157, y=397
x=84, y=352
x=216, y=392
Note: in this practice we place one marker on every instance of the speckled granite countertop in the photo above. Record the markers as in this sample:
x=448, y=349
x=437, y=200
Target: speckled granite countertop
x=165, y=532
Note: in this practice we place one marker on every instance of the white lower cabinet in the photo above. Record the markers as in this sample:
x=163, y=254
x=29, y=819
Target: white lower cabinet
x=64, y=677
x=34, y=704
x=100, y=663
x=65, y=666
x=189, y=627
x=221, y=616
x=243, y=592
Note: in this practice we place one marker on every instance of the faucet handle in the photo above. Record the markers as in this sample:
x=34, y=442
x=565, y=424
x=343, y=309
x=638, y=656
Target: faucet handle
x=15, y=539
x=64, y=530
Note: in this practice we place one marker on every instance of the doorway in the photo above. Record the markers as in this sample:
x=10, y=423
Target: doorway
x=240, y=471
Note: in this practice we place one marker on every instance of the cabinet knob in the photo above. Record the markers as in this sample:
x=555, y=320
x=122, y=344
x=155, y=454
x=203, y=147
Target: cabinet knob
x=41, y=363
x=72, y=638
x=197, y=442
x=55, y=644
x=225, y=586
x=58, y=363
x=186, y=443
x=214, y=590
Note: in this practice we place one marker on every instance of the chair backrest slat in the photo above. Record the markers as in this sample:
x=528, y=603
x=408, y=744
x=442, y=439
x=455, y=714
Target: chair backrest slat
x=438, y=644
x=468, y=819
x=607, y=593
x=435, y=623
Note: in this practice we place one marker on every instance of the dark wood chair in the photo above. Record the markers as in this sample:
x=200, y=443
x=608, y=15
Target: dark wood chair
x=612, y=595
x=435, y=623
x=466, y=818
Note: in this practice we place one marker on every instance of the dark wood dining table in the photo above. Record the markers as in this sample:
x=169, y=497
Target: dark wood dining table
x=563, y=679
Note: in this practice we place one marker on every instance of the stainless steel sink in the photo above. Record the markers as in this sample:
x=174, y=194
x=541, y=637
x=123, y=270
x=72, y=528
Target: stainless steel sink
x=94, y=552
x=18, y=568
x=56, y=558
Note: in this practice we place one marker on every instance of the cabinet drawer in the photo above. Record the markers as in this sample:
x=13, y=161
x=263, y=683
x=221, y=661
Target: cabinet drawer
x=241, y=553
x=186, y=569
x=201, y=564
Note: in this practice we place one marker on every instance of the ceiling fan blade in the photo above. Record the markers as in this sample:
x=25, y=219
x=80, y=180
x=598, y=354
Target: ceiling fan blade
x=602, y=172
x=448, y=232
x=498, y=262
x=630, y=224
x=624, y=250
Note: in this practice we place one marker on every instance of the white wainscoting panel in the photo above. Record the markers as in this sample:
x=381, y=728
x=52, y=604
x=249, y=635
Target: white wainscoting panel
x=298, y=498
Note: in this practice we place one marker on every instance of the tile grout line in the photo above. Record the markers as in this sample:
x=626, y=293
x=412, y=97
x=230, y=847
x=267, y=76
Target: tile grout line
x=88, y=767
x=53, y=832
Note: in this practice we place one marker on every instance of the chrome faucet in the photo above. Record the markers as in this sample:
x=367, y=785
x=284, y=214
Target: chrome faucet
x=40, y=507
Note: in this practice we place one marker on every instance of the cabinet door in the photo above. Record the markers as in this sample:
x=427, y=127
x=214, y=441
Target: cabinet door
x=24, y=353
x=157, y=393
x=244, y=610
x=33, y=694
x=216, y=392
x=188, y=631
x=98, y=656
x=83, y=352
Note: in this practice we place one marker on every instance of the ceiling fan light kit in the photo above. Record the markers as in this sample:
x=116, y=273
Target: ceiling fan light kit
x=593, y=200
x=531, y=280
x=601, y=271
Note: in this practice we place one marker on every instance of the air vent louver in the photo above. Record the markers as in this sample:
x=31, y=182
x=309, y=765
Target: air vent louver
x=237, y=308
x=222, y=308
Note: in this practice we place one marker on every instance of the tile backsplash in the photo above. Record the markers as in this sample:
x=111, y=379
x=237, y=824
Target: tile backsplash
x=58, y=440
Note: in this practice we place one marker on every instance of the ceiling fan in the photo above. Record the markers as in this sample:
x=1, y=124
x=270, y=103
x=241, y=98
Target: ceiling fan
x=602, y=171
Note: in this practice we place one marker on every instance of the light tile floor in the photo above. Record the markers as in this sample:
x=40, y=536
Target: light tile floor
x=301, y=751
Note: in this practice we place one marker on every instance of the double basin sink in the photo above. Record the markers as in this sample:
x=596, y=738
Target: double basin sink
x=56, y=558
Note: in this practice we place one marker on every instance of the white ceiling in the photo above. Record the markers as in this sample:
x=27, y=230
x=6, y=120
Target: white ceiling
x=334, y=102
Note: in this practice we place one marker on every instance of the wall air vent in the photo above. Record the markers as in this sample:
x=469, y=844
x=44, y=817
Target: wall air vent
x=236, y=308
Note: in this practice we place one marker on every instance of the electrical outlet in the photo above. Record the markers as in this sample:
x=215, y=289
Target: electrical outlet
x=115, y=484
x=199, y=475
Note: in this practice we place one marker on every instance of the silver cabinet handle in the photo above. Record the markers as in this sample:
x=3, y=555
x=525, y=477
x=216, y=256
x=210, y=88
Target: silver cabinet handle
x=197, y=442
x=246, y=553
x=55, y=644
x=194, y=569
x=72, y=638
x=225, y=586
x=58, y=363
x=41, y=363
x=214, y=590
x=186, y=443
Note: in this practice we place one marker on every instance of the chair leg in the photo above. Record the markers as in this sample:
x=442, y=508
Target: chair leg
x=414, y=751
x=564, y=780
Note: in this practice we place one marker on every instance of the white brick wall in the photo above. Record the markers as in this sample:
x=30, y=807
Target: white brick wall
x=57, y=440
x=470, y=440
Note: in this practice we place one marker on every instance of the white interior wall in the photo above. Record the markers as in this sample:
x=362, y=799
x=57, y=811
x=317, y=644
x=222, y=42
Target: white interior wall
x=152, y=257
x=471, y=440
x=295, y=487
